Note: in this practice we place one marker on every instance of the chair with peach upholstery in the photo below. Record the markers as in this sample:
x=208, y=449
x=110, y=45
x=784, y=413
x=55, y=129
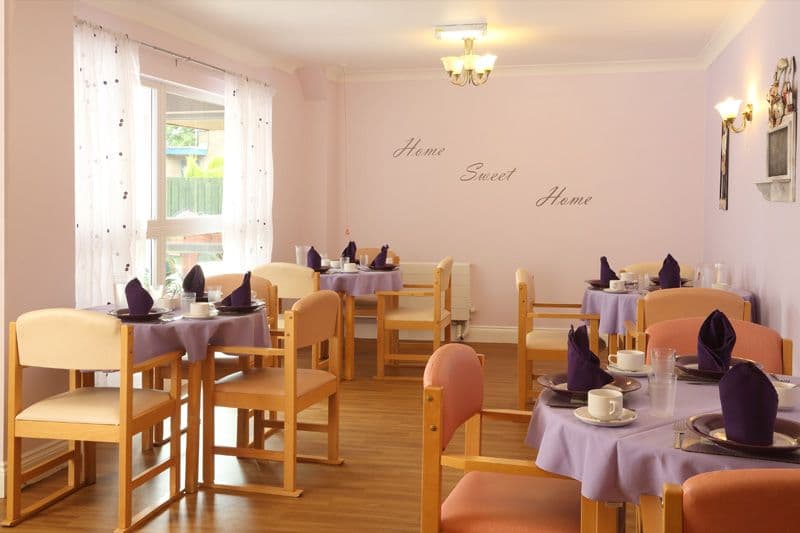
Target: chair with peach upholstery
x=653, y=267
x=753, y=341
x=684, y=302
x=726, y=501
x=74, y=340
x=495, y=494
x=538, y=345
x=290, y=390
x=394, y=316
x=226, y=364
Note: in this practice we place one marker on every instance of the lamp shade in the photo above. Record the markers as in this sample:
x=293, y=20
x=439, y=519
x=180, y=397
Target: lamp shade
x=729, y=108
x=453, y=64
x=485, y=63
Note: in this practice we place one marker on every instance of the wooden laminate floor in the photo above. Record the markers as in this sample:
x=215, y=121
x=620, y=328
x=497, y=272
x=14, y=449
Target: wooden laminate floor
x=376, y=490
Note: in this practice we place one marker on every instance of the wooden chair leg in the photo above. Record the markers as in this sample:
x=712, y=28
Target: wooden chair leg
x=75, y=467
x=158, y=430
x=448, y=332
x=380, y=347
x=437, y=337
x=522, y=379
x=125, y=489
x=147, y=434
x=349, y=337
x=208, y=437
x=14, y=481
x=258, y=430
x=289, y=451
x=89, y=462
x=175, y=453
x=242, y=428
x=333, y=427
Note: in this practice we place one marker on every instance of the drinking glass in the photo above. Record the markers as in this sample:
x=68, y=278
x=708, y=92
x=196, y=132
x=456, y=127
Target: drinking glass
x=663, y=361
x=722, y=274
x=364, y=260
x=120, y=300
x=187, y=299
x=214, y=293
x=662, y=391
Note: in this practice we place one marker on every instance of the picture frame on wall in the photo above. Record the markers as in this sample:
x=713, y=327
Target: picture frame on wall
x=781, y=148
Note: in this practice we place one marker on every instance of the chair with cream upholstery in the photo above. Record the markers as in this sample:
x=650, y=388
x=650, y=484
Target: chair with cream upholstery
x=753, y=341
x=495, y=494
x=433, y=316
x=226, y=364
x=312, y=319
x=653, y=268
x=684, y=302
x=726, y=501
x=538, y=345
x=75, y=340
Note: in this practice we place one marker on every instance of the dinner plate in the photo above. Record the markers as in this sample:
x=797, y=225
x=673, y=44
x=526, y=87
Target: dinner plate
x=656, y=281
x=597, y=284
x=688, y=364
x=213, y=314
x=239, y=309
x=384, y=268
x=582, y=414
x=322, y=270
x=645, y=371
x=125, y=315
x=613, y=291
x=712, y=426
x=558, y=384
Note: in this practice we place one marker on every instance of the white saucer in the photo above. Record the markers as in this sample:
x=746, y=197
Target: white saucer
x=582, y=414
x=213, y=314
x=645, y=371
x=612, y=291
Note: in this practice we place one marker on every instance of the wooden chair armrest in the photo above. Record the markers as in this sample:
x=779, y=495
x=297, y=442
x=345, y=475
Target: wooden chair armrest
x=157, y=361
x=383, y=294
x=482, y=463
x=566, y=306
x=418, y=285
x=258, y=351
x=513, y=415
x=577, y=316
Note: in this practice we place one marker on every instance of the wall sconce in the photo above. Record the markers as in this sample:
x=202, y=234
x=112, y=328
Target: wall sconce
x=729, y=110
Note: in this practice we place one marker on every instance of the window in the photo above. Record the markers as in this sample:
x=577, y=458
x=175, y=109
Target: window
x=187, y=136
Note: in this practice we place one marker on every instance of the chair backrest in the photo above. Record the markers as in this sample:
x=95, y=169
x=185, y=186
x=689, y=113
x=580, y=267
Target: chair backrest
x=442, y=282
x=263, y=288
x=293, y=281
x=69, y=339
x=668, y=304
x=313, y=318
x=372, y=252
x=739, y=500
x=524, y=298
x=753, y=341
x=653, y=267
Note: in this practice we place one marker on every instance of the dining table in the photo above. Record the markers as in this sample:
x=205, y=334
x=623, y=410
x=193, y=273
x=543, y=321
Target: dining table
x=349, y=285
x=193, y=336
x=617, y=465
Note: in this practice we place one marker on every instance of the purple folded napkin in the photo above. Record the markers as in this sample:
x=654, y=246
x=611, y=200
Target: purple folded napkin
x=583, y=366
x=240, y=296
x=139, y=300
x=380, y=259
x=669, y=277
x=313, y=260
x=195, y=281
x=606, y=274
x=715, y=342
x=749, y=405
x=350, y=251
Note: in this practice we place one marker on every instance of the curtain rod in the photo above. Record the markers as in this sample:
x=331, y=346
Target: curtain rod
x=175, y=54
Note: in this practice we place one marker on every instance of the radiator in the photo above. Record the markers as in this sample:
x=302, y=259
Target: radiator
x=461, y=296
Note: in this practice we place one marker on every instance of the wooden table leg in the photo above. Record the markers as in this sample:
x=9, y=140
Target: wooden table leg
x=349, y=336
x=193, y=431
x=613, y=343
x=599, y=517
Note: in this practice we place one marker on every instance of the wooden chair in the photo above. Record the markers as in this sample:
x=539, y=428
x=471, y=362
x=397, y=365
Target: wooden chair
x=495, y=494
x=753, y=341
x=312, y=319
x=684, y=302
x=726, y=501
x=226, y=364
x=392, y=317
x=74, y=340
x=537, y=345
x=653, y=268
x=367, y=306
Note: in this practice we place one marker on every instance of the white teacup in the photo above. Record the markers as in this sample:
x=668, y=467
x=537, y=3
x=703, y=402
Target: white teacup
x=389, y=260
x=200, y=308
x=616, y=285
x=788, y=395
x=629, y=277
x=605, y=404
x=627, y=359
x=350, y=267
x=336, y=264
x=325, y=262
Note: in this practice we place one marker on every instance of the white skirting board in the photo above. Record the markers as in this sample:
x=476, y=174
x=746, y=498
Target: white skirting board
x=34, y=457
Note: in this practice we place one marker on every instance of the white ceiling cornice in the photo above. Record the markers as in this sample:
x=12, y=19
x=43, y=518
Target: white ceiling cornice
x=727, y=31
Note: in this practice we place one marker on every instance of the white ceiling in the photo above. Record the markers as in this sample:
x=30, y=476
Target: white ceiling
x=379, y=36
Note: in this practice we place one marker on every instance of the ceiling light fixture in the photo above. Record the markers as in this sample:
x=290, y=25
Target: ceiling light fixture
x=469, y=67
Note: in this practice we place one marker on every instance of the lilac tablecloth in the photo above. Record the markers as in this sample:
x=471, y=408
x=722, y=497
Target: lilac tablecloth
x=620, y=464
x=193, y=336
x=615, y=309
x=363, y=283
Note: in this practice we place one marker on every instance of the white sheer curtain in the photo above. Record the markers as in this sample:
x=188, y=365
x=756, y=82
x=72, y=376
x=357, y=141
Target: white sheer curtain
x=109, y=221
x=247, y=188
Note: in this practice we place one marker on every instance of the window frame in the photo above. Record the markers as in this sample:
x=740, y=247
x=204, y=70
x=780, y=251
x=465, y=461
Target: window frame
x=159, y=227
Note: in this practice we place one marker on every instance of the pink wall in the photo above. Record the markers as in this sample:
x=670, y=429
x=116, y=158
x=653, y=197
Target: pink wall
x=757, y=238
x=632, y=141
